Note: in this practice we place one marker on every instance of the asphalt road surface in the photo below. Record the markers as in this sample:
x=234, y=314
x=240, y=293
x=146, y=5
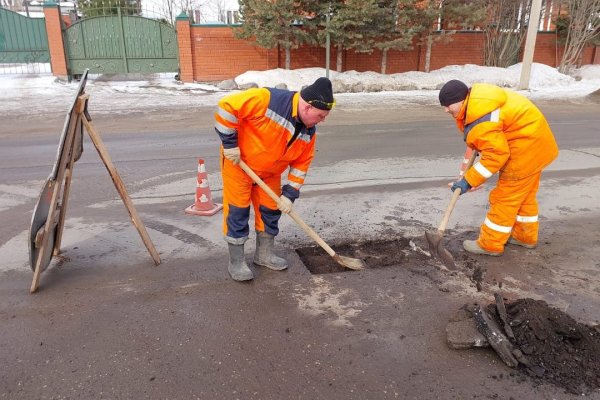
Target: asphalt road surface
x=108, y=324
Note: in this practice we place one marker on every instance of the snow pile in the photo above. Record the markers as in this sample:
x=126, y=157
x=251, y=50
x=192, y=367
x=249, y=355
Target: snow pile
x=353, y=89
x=354, y=81
x=587, y=72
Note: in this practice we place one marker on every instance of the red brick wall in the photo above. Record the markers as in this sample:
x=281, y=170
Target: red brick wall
x=218, y=55
x=56, y=47
x=459, y=49
x=186, y=53
x=66, y=18
x=548, y=52
x=305, y=57
x=211, y=53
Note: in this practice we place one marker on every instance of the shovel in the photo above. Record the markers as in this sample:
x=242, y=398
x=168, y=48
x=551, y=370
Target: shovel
x=434, y=239
x=348, y=262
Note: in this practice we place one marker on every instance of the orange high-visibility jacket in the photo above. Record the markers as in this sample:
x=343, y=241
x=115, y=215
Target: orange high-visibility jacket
x=509, y=131
x=262, y=122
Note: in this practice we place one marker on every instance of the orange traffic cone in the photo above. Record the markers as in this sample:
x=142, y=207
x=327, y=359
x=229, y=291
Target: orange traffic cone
x=463, y=167
x=203, y=204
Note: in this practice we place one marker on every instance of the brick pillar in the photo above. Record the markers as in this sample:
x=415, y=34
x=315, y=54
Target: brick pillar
x=184, y=41
x=58, y=60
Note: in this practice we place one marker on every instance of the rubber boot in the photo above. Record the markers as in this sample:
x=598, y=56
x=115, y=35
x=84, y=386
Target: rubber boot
x=473, y=247
x=238, y=269
x=264, y=255
x=514, y=241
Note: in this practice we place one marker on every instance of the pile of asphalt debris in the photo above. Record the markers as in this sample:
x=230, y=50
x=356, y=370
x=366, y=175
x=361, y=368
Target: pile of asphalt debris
x=542, y=342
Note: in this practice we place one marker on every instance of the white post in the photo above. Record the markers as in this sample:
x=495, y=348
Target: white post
x=532, y=29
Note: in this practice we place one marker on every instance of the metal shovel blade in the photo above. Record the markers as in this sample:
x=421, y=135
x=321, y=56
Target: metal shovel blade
x=437, y=249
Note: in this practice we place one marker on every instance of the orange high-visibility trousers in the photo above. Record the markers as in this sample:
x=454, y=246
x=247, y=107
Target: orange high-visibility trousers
x=513, y=210
x=238, y=192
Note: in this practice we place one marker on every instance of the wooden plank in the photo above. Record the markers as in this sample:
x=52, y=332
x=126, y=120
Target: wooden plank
x=118, y=182
x=66, y=190
x=52, y=213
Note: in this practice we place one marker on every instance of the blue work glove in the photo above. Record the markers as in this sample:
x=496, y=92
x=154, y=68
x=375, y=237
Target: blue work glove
x=462, y=184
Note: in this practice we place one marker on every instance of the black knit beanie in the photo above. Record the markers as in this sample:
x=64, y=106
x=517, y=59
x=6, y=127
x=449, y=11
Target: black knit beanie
x=319, y=94
x=453, y=92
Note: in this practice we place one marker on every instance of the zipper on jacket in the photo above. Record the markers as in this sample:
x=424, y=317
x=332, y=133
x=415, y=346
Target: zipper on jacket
x=298, y=128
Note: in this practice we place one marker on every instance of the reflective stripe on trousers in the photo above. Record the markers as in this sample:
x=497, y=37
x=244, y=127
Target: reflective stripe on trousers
x=238, y=192
x=513, y=210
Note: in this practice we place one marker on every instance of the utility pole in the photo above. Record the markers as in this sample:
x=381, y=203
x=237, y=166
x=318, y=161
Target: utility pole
x=532, y=29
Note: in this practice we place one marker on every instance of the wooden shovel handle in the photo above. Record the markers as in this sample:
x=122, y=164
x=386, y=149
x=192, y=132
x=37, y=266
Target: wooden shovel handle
x=449, y=210
x=309, y=231
x=455, y=196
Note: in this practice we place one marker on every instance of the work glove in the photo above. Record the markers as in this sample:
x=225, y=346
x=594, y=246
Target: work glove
x=232, y=154
x=284, y=205
x=463, y=185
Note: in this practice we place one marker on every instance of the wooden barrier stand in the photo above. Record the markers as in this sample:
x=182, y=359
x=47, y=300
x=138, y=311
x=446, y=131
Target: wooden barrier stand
x=49, y=214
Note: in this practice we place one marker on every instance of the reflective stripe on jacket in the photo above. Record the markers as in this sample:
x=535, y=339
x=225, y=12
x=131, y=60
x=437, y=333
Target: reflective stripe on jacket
x=509, y=131
x=262, y=122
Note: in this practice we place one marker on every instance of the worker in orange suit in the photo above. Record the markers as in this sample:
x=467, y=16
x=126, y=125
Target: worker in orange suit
x=514, y=140
x=271, y=130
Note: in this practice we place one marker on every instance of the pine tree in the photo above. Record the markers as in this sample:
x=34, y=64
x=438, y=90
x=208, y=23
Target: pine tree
x=352, y=25
x=94, y=8
x=273, y=23
x=396, y=29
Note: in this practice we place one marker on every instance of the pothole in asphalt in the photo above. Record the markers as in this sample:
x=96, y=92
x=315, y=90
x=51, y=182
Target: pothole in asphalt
x=375, y=254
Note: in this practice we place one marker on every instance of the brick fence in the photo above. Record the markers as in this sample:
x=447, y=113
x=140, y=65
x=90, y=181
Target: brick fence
x=209, y=53
x=218, y=55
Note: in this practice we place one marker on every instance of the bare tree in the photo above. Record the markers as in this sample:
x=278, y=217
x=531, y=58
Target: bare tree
x=13, y=5
x=582, y=27
x=188, y=6
x=170, y=9
x=216, y=8
x=505, y=31
x=435, y=17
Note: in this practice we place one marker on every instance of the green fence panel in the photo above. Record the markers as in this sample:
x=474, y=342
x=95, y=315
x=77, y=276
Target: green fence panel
x=121, y=44
x=22, y=39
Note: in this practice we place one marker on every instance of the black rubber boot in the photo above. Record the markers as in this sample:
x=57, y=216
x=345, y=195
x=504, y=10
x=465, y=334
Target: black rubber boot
x=238, y=269
x=264, y=254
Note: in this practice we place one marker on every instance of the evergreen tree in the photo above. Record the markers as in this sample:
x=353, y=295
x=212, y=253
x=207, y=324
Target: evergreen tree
x=94, y=8
x=317, y=25
x=273, y=23
x=353, y=24
x=396, y=28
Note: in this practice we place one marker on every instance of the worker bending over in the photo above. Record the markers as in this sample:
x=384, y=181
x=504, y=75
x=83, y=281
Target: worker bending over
x=271, y=130
x=514, y=139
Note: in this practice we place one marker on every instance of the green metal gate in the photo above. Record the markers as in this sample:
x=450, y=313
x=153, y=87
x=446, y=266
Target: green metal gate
x=22, y=40
x=121, y=44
